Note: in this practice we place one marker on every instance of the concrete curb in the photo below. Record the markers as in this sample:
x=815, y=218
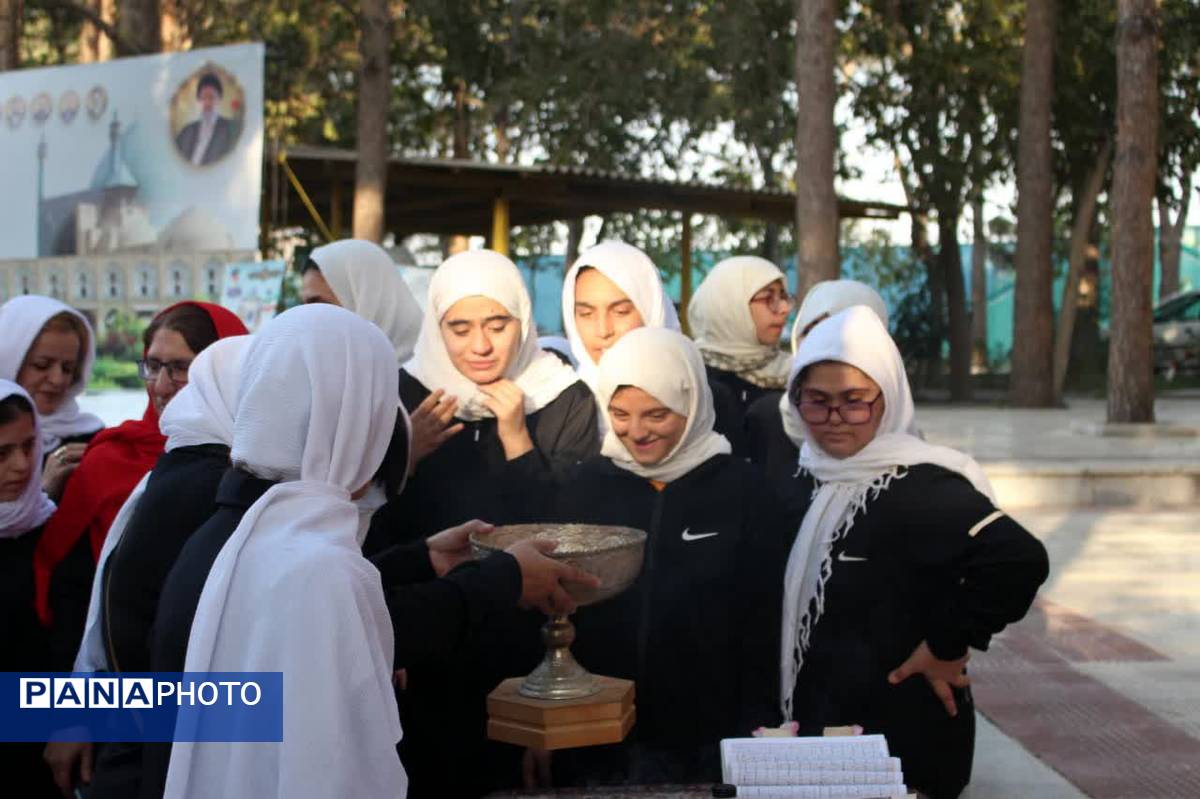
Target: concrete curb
x=1071, y=484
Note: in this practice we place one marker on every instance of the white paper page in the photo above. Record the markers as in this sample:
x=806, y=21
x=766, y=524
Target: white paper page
x=736, y=752
x=824, y=792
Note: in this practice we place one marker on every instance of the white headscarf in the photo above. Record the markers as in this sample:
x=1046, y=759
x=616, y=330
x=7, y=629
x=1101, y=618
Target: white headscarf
x=202, y=412
x=844, y=485
x=825, y=299
x=21, y=321
x=366, y=281
x=831, y=296
x=483, y=273
x=667, y=366
x=636, y=275
x=30, y=510
x=723, y=327
x=290, y=591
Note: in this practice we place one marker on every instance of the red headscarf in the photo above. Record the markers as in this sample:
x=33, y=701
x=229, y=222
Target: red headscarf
x=113, y=464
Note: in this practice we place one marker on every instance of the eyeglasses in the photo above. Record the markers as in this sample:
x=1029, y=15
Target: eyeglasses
x=774, y=300
x=177, y=371
x=849, y=412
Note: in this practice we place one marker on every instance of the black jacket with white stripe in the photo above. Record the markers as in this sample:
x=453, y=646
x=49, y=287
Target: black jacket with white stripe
x=929, y=559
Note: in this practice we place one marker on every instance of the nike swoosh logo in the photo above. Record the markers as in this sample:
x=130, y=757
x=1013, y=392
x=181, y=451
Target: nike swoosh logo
x=687, y=536
x=844, y=558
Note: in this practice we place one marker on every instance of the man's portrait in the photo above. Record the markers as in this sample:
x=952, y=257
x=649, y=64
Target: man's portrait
x=207, y=116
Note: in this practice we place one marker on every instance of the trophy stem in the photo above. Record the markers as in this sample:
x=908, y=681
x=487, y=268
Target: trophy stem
x=559, y=675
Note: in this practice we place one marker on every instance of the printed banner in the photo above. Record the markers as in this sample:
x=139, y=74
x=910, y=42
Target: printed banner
x=154, y=154
x=252, y=290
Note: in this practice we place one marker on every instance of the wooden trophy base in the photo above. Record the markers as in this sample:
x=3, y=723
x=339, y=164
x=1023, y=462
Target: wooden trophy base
x=603, y=718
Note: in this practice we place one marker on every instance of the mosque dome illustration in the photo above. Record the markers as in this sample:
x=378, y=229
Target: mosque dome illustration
x=194, y=230
x=105, y=217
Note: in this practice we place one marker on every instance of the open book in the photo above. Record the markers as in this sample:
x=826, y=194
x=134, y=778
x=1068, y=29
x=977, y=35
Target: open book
x=855, y=767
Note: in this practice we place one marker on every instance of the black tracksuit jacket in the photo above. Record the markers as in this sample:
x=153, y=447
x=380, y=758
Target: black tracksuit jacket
x=699, y=629
x=740, y=406
x=915, y=566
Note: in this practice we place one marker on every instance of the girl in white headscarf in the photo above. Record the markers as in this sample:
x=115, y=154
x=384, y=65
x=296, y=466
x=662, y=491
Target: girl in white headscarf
x=182, y=486
x=290, y=590
x=48, y=348
x=24, y=508
x=698, y=621
x=169, y=503
x=769, y=431
x=486, y=401
x=614, y=288
x=737, y=317
x=901, y=561
x=828, y=297
x=482, y=394
x=361, y=277
x=611, y=289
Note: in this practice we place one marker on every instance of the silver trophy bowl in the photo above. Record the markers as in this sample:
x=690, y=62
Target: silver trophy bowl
x=613, y=554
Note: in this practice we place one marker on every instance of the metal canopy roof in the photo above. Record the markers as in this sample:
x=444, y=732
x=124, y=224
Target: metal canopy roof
x=427, y=195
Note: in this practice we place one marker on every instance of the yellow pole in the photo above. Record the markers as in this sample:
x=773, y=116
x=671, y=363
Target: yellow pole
x=304, y=198
x=500, y=225
x=685, y=273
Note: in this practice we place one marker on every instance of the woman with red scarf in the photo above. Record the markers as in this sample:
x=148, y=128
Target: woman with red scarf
x=114, y=462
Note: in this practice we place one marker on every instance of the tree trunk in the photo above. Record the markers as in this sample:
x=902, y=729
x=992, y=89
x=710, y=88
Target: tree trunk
x=924, y=254
x=462, y=150
x=374, y=100
x=1089, y=354
x=1032, y=382
x=770, y=244
x=1170, y=240
x=935, y=274
x=574, y=239
x=139, y=23
x=503, y=143
x=959, y=330
x=175, y=35
x=11, y=14
x=90, y=36
x=1085, y=200
x=816, y=142
x=1130, y=344
x=979, y=296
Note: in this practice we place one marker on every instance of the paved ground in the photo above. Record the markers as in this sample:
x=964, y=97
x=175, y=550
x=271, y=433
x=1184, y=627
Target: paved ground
x=993, y=434
x=1097, y=692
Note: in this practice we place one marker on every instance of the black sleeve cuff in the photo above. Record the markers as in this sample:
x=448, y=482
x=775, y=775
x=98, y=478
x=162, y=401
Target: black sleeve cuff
x=532, y=464
x=492, y=582
x=946, y=645
x=404, y=564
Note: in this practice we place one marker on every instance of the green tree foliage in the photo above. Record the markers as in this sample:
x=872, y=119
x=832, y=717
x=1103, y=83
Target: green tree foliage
x=1179, y=79
x=698, y=89
x=936, y=82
